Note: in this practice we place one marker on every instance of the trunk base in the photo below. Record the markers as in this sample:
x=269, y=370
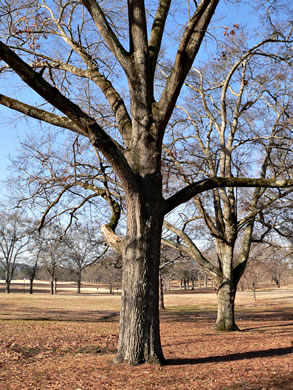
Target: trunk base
x=226, y=304
x=223, y=326
x=150, y=360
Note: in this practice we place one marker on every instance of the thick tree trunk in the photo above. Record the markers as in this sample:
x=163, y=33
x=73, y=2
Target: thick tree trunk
x=52, y=286
x=226, y=288
x=139, y=335
x=226, y=303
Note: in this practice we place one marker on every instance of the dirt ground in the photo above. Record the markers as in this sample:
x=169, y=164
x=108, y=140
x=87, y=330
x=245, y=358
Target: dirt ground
x=68, y=342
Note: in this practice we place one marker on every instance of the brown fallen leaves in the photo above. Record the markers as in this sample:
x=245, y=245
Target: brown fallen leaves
x=78, y=354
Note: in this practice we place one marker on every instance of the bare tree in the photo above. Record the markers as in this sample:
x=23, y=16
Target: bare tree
x=247, y=126
x=83, y=249
x=256, y=272
x=52, y=253
x=49, y=45
x=33, y=264
x=169, y=259
x=61, y=176
x=109, y=271
x=14, y=238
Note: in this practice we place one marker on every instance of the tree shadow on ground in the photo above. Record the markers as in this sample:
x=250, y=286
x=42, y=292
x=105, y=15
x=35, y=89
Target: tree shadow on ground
x=170, y=315
x=259, y=328
x=269, y=315
x=263, y=315
x=36, y=314
x=277, y=382
x=232, y=357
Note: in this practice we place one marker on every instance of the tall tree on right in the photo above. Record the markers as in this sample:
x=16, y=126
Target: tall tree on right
x=243, y=127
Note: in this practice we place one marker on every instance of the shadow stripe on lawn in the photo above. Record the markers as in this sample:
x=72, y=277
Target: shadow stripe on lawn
x=232, y=357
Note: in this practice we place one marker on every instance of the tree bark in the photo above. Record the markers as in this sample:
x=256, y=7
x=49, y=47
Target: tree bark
x=7, y=289
x=226, y=286
x=226, y=303
x=139, y=335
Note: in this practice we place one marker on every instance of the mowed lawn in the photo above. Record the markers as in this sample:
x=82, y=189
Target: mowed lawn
x=68, y=342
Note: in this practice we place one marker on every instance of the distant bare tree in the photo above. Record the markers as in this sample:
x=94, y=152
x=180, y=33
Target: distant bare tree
x=14, y=238
x=109, y=271
x=82, y=249
x=52, y=253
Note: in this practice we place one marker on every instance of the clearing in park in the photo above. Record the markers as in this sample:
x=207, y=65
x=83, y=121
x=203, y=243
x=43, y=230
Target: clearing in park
x=69, y=342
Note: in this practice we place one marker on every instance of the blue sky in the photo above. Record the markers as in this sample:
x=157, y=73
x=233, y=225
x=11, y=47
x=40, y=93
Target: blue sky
x=13, y=127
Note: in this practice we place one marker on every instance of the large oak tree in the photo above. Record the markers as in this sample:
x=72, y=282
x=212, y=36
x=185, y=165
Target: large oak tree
x=51, y=42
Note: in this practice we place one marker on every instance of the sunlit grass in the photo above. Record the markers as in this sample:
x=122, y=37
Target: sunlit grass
x=19, y=305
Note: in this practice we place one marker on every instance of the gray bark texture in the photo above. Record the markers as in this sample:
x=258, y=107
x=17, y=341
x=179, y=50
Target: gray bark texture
x=226, y=298
x=139, y=336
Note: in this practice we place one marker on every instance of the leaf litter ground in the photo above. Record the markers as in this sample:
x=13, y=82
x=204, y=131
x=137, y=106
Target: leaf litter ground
x=69, y=343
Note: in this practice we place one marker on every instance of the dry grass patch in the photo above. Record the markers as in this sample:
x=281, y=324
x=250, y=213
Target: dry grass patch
x=61, y=307
x=69, y=342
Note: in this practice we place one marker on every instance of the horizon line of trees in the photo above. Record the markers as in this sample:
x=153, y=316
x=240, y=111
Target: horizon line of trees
x=74, y=258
